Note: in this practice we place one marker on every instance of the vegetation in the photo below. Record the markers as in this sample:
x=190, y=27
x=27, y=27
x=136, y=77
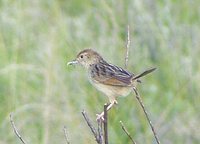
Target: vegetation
x=38, y=38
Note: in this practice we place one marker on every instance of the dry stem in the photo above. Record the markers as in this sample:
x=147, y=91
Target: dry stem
x=105, y=124
x=100, y=133
x=66, y=135
x=15, y=130
x=127, y=133
x=92, y=128
x=128, y=41
x=146, y=114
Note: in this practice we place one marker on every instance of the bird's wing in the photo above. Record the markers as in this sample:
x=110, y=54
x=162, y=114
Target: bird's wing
x=110, y=75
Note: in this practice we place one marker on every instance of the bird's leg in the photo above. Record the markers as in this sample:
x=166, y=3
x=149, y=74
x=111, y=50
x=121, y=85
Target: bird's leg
x=101, y=116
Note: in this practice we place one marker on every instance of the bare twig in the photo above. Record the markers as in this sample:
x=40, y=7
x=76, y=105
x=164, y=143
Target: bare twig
x=15, y=130
x=105, y=124
x=128, y=41
x=127, y=133
x=66, y=135
x=100, y=133
x=146, y=114
x=92, y=128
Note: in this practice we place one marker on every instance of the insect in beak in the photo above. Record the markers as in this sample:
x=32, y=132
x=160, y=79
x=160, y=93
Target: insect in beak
x=72, y=62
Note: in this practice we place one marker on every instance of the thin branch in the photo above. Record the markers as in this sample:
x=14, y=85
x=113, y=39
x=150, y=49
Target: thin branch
x=128, y=41
x=15, y=130
x=66, y=135
x=146, y=114
x=127, y=133
x=105, y=124
x=100, y=132
x=92, y=128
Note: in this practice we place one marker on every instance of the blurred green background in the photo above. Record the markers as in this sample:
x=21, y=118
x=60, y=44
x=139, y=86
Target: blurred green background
x=38, y=38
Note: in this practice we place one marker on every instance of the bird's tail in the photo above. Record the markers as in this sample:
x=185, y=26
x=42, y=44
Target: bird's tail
x=143, y=74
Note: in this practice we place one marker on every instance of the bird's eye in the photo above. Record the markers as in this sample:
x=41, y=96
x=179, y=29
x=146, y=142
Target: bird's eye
x=81, y=56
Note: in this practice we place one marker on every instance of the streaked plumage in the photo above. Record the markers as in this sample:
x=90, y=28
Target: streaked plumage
x=112, y=80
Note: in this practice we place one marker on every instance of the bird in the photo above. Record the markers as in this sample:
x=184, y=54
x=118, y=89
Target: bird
x=110, y=79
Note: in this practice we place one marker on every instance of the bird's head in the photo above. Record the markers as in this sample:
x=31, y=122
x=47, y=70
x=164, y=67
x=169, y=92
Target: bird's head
x=86, y=58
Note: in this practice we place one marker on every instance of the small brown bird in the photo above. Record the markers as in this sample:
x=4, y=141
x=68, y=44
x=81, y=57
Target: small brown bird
x=112, y=80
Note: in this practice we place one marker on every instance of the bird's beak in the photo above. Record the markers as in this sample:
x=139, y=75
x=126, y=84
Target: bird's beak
x=72, y=62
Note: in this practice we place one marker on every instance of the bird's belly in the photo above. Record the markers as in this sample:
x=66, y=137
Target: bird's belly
x=110, y=90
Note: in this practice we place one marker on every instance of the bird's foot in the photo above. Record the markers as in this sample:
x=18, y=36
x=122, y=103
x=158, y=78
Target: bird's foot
x=115, y=102
x=100, y=117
